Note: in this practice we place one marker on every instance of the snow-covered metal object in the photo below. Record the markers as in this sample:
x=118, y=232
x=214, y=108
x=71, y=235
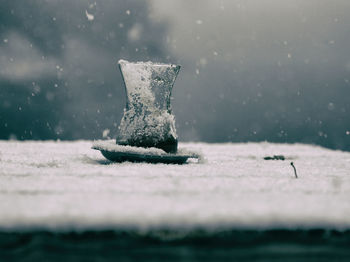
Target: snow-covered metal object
x=147, y=129
x=147, y=119
x=121, y=153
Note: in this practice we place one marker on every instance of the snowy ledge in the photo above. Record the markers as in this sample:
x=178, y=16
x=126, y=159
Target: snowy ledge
x=111, y=145
x=62, y=185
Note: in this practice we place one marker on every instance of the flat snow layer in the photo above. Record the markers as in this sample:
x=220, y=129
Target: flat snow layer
x=67, y=185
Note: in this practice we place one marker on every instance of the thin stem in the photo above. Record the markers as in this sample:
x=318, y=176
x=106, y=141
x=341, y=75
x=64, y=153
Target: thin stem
x=295, y=171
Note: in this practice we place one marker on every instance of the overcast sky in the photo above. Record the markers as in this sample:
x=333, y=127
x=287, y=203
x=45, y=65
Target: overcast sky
x=251, y=70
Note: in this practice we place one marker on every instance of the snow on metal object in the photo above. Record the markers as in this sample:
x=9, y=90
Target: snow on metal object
x=148, y=120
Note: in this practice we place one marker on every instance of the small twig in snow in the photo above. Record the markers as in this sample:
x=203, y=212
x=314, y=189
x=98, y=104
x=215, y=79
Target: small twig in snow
x=275, y=157
x=295, y=171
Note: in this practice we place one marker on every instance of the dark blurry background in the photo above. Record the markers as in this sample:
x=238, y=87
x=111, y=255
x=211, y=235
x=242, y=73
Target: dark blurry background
x=251, y=70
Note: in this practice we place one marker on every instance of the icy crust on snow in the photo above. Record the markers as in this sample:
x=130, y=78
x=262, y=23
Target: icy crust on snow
x=67, y=185
x=147, y=119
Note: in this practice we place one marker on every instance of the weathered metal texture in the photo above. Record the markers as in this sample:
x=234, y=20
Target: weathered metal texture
x=148, y=120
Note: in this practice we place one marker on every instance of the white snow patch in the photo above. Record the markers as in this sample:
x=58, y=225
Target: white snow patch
x=68, y=185
x=110, y=145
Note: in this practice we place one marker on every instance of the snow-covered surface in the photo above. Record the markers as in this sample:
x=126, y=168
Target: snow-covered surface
x=68, y=185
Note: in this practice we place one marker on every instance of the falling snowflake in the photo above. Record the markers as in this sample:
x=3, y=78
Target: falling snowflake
x=90, y=17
